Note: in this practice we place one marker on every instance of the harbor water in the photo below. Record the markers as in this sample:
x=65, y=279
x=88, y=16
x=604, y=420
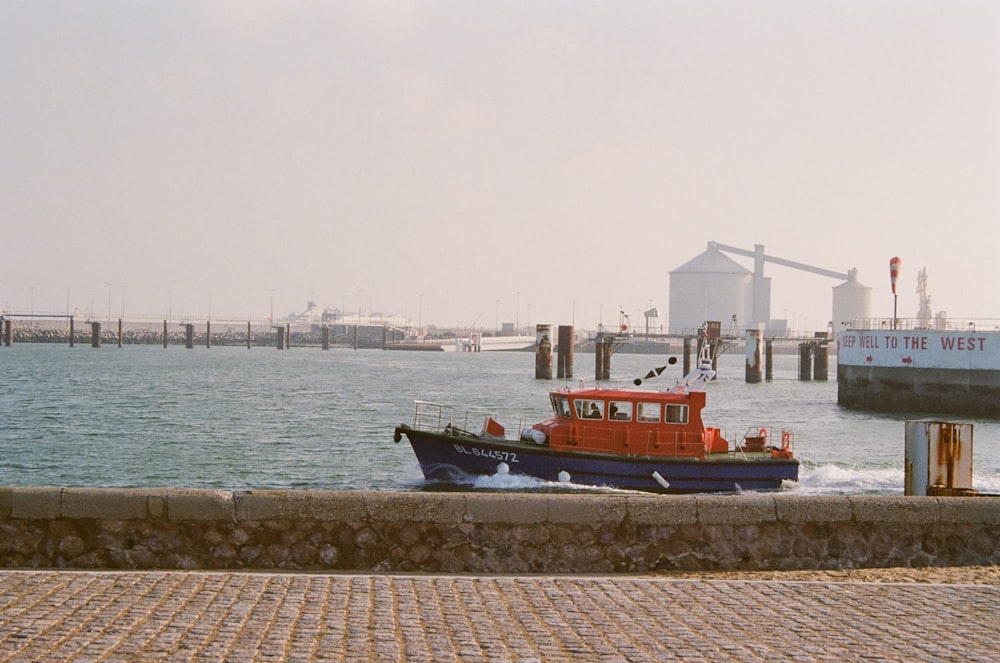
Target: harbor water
x=238, y=419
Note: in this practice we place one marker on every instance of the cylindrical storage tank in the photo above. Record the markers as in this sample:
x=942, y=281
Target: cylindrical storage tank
x=709, y=287
x=851, y=301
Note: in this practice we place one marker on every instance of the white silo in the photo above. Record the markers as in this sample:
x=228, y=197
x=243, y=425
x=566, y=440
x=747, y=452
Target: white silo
x=851, y=301
x=711, y=286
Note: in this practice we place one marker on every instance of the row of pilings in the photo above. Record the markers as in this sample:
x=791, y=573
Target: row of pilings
x=814, y=355
x=282, y=335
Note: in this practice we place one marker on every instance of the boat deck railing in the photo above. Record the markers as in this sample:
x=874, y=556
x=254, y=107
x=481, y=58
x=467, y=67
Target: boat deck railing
x=923, y=324
x=436, y=417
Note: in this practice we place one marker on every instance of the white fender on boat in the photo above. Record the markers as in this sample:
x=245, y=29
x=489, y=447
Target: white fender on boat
x=533, y=435
x=503, y=468
x=563, y=476
x=660, y=480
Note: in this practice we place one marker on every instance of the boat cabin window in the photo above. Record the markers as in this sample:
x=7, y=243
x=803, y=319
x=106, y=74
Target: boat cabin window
x=649, y=412
x=589, y=409
x=620, y=411
x=560, y=406
x=677, y=414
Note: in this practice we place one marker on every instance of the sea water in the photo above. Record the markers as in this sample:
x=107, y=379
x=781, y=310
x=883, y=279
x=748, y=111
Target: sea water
x=236, y=418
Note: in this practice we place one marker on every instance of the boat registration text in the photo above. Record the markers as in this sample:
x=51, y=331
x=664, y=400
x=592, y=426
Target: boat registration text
x=505, y=456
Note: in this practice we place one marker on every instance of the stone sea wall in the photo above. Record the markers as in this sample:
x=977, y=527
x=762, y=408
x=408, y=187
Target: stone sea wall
x=453, y=532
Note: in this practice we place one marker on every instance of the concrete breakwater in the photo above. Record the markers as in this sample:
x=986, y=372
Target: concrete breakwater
x=43, y=527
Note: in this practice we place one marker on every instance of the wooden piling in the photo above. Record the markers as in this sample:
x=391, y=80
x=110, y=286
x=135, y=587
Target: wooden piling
x=687, y=355
x=208, y=333
x=609, y=348
x=356, y=328
x=599, y=357
x=120, y=332
x=543, y=352
x=165, y=333
x=188, y=335
x=325, y=336
x=71, y=331
x=564, y=361
x=280, y=331
x=249, y=336
x=95, y=334
x=288, y=335
x=8, y=332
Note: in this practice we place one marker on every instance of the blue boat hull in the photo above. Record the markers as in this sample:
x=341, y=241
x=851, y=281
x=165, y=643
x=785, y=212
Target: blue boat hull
x=440, y=454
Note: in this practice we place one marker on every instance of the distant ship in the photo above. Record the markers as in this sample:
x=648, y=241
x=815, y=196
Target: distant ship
x=480, y=343
x=899, y=365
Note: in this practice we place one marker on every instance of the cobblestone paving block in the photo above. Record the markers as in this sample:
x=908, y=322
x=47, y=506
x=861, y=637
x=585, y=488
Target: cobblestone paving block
x=198, y=616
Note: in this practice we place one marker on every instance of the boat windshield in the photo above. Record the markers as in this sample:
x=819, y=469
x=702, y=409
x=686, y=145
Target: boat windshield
x=560, y=406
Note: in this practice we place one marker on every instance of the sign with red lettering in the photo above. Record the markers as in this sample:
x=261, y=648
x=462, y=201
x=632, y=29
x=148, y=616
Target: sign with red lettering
x=920, y=348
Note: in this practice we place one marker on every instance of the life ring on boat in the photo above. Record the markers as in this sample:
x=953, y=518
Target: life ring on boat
x=762, y=434
x=786, y=440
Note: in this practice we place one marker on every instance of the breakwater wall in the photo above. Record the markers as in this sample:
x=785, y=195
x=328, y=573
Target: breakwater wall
x=44, y=527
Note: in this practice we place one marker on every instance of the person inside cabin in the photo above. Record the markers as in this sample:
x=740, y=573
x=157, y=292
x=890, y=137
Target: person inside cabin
x=594, y=412
x=618, y=413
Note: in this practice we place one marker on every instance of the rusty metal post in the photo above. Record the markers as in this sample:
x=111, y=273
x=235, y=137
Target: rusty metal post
x=249, y=336
x=325, y=336
x=288, y=335
x=356, y=332
x=598, y=356
x=821, y=362
x=543, y=352
x=687, y=355
x=208, y=333
x=95, y=334
x=754, y=354
x=769, y=359
x=8, y=332
x=71, y=331
x=188, y=335
x=805, y=361
x=165, y=333
x=120, y=332
x=280, y=331
x=564, y=362
x=609, y=348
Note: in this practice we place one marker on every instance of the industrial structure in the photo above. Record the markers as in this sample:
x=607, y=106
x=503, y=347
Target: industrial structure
x=713, y=286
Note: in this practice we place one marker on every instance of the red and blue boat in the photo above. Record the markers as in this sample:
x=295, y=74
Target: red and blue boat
x=609, y=437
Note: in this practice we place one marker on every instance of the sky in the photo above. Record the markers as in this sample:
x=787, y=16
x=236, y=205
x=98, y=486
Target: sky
x=474, y=163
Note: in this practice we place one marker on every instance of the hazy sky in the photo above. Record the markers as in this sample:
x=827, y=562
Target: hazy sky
x=476, y=162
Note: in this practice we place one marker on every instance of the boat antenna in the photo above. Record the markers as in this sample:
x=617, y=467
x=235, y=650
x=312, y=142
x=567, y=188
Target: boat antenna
x=656, y=372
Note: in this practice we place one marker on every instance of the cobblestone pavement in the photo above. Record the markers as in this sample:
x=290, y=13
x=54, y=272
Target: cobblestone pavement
x=209, y=616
